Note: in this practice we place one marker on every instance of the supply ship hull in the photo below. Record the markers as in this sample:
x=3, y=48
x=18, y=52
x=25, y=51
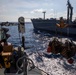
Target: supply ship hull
x=49, y=25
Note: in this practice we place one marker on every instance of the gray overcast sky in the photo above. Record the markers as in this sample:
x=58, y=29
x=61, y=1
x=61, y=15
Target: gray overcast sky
x=11, y=10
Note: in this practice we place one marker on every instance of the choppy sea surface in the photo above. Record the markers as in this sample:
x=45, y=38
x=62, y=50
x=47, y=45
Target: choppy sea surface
x=35, y=45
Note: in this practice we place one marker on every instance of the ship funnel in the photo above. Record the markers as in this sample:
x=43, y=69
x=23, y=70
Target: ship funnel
x=44, y=14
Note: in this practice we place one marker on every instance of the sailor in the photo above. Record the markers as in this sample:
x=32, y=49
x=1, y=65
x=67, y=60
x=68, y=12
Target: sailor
x=62, y=24
x=7, y=65
x=55, y=46
x=1, y=58
x=70, y=47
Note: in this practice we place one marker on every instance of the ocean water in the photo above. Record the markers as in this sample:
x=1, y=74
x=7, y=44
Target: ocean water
x=33, y=41
x=35, y=45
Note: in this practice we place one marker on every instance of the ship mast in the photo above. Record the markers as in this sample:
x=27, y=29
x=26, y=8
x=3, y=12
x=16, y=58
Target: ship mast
x=44, y=14
x=69, y=12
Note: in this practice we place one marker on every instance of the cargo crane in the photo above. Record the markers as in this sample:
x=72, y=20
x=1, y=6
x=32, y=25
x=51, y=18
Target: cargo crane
x=69, y=12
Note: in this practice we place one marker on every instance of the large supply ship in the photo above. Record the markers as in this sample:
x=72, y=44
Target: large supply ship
x=50, y=25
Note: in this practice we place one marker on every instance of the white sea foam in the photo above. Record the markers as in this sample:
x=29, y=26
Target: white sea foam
x=54, y=66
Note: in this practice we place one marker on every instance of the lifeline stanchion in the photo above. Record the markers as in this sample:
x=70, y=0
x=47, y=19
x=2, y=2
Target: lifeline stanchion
x=26, y=63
